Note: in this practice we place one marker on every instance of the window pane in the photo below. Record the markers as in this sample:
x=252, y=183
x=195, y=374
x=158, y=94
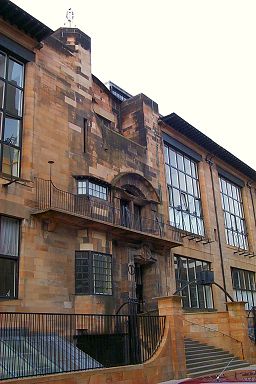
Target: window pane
x=178, y=218
x=174, y=176
x=196, y=192
x=1, y=93
x=224, y=186
x=193, y=286
x=193, y=169
x=234, y=192
x=14, y=100
x=180, y=162
x=11, y=161
x=184, y=201
x=2, y=65
x=182, y=180
x=1, y=124
x=9, y=236
x=194, y=228
x=190, y=185
x=166, y=154
x=170, y=197
x=186, y=222
x=187, y=166
x=167, y=172
x=191, y=203
x=198, y=207
x=15, y=73
x=176, y=198
x=8, y=270
x=171, y=216
x=12, y=131
x=173, y=160
x=208, y=296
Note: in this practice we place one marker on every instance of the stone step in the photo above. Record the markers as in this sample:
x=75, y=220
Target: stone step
x=216, y=371
x=208, y=362
x=219, y=365
x=202, y=349
x=203, y=359
x=209, y=356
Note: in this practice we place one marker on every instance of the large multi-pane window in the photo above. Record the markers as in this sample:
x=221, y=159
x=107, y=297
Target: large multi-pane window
x=244, y=287
x=9, y=252
x=93, y=273
x=90, y=188
x=232, y=205
x=194, y=295
x=185, y=211
x=11, y=111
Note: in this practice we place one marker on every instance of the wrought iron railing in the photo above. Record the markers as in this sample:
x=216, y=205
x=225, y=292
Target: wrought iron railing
x=252, y=324
x=48, y=196
x=34, y=344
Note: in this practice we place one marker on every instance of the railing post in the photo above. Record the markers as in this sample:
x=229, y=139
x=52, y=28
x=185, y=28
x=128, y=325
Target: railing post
x=50, y=193
x=171, y=307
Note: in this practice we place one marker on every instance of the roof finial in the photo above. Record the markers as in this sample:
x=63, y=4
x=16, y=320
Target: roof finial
x=70, y=17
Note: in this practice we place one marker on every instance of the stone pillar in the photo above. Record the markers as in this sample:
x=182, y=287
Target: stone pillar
x=170, y=306
x=238, y=325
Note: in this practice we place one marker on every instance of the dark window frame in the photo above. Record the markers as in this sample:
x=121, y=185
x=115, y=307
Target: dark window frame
x=233, y=211
x=87, y=280
x=15, y=259
x=188, y=216
x=89, y=186
x=8, y=114
x=202, y=294
x=240, y=290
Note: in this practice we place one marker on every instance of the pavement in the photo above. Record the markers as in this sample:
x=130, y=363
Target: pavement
x=250, y=368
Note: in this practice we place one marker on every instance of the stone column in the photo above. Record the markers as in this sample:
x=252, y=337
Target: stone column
x=238, y=325
x=170, y=306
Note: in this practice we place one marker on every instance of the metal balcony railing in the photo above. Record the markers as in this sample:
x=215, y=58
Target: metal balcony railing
x=34, y=344
x=48, y=196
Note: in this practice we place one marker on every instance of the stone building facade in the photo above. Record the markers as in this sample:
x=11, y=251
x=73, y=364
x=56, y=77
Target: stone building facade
x=105, y=205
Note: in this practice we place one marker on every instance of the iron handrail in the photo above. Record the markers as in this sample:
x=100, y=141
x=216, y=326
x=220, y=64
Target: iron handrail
x=219, y=332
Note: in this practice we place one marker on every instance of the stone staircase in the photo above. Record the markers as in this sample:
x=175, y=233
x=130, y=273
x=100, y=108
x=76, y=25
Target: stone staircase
x=203, y=359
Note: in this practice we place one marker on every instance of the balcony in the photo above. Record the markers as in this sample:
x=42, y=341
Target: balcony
x=79, y=211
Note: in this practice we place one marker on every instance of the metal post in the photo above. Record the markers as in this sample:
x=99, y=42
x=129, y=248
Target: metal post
x=50, y=162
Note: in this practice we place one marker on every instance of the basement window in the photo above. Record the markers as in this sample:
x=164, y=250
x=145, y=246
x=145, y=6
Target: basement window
x=93, y=273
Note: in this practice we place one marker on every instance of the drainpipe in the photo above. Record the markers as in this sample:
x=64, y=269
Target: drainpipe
x=210, y=162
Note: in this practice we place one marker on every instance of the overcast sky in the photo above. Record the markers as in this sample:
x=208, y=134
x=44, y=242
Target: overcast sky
x=193, y=57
